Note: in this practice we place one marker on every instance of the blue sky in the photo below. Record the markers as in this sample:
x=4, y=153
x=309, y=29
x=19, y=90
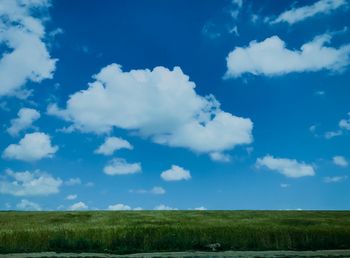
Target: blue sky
x=127, y=105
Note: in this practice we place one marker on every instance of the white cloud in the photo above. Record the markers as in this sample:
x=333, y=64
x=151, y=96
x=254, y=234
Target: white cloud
x=26, y=117
x=31, y=147
x=287, y=167
x=271, y=57
x=113, y=144
x=284, y=185
x=335, y=179
x=121, y=167
x=71, y=197
x=29, y=183
x=73, y=181
x=28, y=58
x=163, y=207
x=200, y=208
x=175, y=173
x=160, y=104
x=28, y=206
x=220, y=157
x=78, y=206
x=155, y=190
x=340, y=161
x=332, y=134
x=345, y=123
x=295, y=15
x=119, y=207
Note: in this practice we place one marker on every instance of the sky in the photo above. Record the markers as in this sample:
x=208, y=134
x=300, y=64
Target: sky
x=164, y=105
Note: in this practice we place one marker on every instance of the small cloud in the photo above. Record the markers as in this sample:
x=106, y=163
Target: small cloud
x=175, y=173
x=332, y=134
x=163, y=207
x=71, y=197
x=73, y=181
x=113, y=144
x=287, y=167
x=340, y=161
x=78, y=206
x=120, y=166
x=220, y=157
x=155, y=190
x=89, y=184
x=28, y=206
x=32, y=147
x=29, y=183
x=26, y=117
x=285, y=185
x=200, y=208
x=335, y=179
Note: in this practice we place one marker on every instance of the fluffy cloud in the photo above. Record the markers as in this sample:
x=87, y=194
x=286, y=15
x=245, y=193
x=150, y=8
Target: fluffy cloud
x=220, y=157
x=154, y=190
x=27, y=56
x=28, y=206
x=163, y=207
x=29, y=183
x=295, y=15
x=26, y=117
x=112, y=144
x=71, y=197
x=345, y=123
x=119, y=207
x=78, y=206
x=200, y=208
x=175, y=173
x=31, y=147
x=287, y=167
x=121, y=167
x=161, y=104
x=271, y=57
x=340, y=161
x=335, y=179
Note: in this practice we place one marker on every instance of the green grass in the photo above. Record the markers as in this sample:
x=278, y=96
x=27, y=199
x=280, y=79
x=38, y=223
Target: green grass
x=153, y=231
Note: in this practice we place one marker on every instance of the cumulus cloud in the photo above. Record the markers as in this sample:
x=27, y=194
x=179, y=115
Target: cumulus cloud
x=220, y=157
x=163, y=207
x=345, y=123
x=340, y=161
x=78, y=206
x=119, y=166
x=71, y=197
x=28, y=206
x=113, y=144
x=287, y=167
x=175, y=173
x=271, y=57
x=26, y=56
x=335, y=179
x=33, y=146
x=119, y=207
x=29, y=183
x=155, y=190
x=295, y=15
x=160, y=104
x=26, y=117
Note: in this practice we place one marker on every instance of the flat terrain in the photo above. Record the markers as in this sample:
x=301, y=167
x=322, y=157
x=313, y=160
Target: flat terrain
x=126, y=232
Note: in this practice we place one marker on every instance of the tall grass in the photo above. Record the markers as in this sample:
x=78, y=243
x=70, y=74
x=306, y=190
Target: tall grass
x=150, y=231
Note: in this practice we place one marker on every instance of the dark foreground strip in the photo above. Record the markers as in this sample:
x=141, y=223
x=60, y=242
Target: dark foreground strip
x=238, y=254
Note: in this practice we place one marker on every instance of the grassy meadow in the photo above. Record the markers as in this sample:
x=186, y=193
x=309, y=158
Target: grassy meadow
x=154, y=231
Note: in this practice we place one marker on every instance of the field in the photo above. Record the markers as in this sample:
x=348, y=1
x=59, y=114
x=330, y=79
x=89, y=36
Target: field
x=123, y=232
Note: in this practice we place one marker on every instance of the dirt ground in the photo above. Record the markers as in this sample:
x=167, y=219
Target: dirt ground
x=238, y=254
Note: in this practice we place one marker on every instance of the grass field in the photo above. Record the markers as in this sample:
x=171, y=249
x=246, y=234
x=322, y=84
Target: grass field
x=154, y=231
